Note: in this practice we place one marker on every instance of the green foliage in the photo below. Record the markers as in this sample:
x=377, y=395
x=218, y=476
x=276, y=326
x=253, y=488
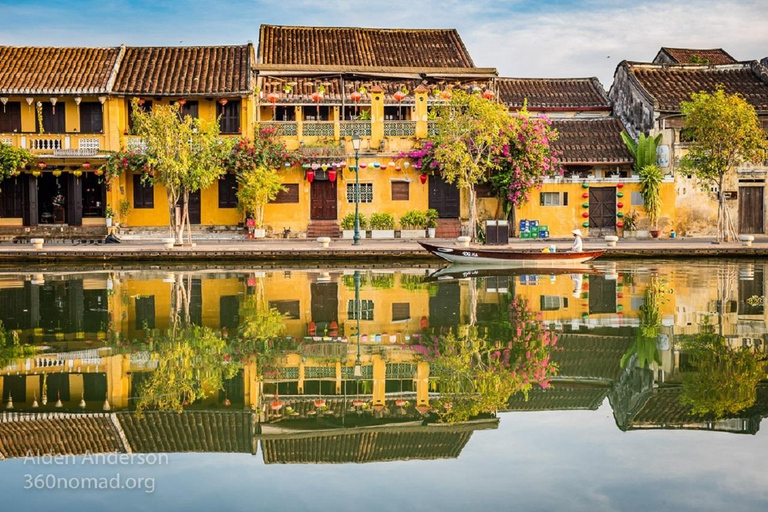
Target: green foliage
x=630, y=221
x=724, y=380
x=383, y=281
x=650, y=183
x=348, y=221
x=411, y=282
x=645, y=343
x=413, y=219
x=432, y=217
x=12, y=160
x=259, y=321
x=643, y=150
x=258, y=186
x=119, y=162
x=11, y=347
x=383, y=221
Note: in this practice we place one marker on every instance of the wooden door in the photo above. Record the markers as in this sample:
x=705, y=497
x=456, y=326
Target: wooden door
x=322, y=200
x=30, y=194
x=602, y=210
x=74, y=186
x=602, y=295
x=325, y=302
x=194, y=208
x=444, y=197
x=751, y=210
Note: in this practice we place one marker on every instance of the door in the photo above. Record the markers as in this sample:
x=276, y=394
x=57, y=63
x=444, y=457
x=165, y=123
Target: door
x=751, y=210
x=75, y=200
x=30, y=194
x=443, y=197
x=194, y=207
x=444, y=305
x=323, y=200
x=325, y=302
x=602, y=210
x=602, y=295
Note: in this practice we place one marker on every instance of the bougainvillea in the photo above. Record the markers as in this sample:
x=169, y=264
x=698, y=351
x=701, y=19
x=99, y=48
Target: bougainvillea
x=12, y=160
x=120, y=162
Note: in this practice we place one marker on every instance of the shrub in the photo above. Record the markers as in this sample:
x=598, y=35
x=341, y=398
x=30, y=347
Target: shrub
x=413, y=219
x=382, y=221
x=348, y=222
x=432, y=217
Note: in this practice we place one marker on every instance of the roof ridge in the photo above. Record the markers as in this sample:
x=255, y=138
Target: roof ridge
x=389, y=29
x=586, y=78
x=62, y=47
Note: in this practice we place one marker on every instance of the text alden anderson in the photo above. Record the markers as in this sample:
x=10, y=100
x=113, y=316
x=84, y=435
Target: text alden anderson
x=112, y=458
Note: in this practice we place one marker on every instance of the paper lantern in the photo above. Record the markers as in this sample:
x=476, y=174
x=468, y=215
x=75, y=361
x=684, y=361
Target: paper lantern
x=585, y=195
x=619, y=185
x=376, y=164
x=332, y=175
x=363, y=165
x=423, y=178
x=585, y=224
x=399, y=96
x=310, y=175
x=619, y=205
x=620, y=224
x=585, y=215
x=619, y=214
x=585, y=185
x=619, y=194
x=585, y=205
x=86, y=165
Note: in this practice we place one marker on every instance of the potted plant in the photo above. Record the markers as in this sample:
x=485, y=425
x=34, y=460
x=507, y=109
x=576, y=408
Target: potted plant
x=382, y=225
x=348, y=225
x=413, y=223
x=630, y=224
x=431, y=216
x=109, y=213
x=650, y=183
x=124, y=209
x=258, y=186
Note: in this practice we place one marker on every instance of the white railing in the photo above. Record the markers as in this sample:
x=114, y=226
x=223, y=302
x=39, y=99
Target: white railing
x=40, y=144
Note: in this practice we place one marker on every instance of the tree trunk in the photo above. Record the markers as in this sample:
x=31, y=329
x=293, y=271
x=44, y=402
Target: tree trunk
x=472, y=213
x=722, y=235
x=512, y=217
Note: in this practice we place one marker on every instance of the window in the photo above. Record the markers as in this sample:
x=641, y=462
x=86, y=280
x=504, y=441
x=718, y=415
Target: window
x=637, y=199
x=229, y=312
x=228, y=191
x=400, y=191
x=366, y=310
x=12, y=198
x=549, y=303
x=143, y=195
x=401, y=311
x=145, y=312
x=289, y=195
x=553, y=199
x=190, y=108
x=366, y=192
x=318, y=113
x=93, y=196
x=10, y=117
x=484, y=190
x=52, y=122
x=91, y=118
x=290, y=309
x=229, y=116
x=285, y=113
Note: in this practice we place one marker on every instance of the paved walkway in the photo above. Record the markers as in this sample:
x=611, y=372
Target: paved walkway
x=340, y=250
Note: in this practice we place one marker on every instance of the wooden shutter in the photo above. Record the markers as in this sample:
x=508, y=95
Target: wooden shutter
x=91, y=118
x=10, y=117
x=401, y=191
x=143, y=195
x=290, y=195
x=190, y=109
x=228, y=191
x=484, y=190
x=52, y=123
x=401, y=311
x=229, y=117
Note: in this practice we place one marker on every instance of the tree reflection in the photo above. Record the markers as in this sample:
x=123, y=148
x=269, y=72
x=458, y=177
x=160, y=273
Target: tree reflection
x=11, y=347
x=476, y=373
x=258, y=320
x=645, y=344
x=724, y=379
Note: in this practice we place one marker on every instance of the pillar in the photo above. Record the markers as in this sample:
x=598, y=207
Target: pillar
x=379, y=380
x=377, y=116
x=422, y=383
x=420, y=112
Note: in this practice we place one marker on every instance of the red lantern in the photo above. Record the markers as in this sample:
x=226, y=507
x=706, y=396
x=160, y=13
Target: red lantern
x=356, y=96
x=400, y=402
x=273, y=97
x=488, y=94
x=585, y=215
x=585, y=195
x=446, y=95
x=310, y=175
x=332, y=175
x=312, y=328
x=399, y=96
x=319, y=402
x=619, y=185
x=620, y=224
x=182, y=102
x=317, y=97
x=423, y=178
x=41, y=165
x=619, y=205
x=86, y=165
x=223, y=101
x=141, y=101
x=424, y=322
x=276, y=405
x=619, y=295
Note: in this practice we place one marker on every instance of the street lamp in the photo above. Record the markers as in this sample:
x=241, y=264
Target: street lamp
x=356, y=236
x=358, y=364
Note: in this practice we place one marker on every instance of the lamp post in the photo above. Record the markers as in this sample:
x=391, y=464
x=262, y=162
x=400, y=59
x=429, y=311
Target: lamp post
x=358, y=364
x=356, y=236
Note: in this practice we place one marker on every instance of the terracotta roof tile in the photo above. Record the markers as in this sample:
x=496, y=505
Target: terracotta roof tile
x=48, y=70
x=190, y=431
x=185, y=70
x=591, y=141
x=558, y=398
x=590, y=357
x=351, y=46
x=553, y=93
x=57, y=433
x=691, y=55
x=670, y=85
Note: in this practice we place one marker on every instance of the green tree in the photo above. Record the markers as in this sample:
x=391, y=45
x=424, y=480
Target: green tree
x=12, y=160
x=643, y=150
x=183, y=154
x=725, y=133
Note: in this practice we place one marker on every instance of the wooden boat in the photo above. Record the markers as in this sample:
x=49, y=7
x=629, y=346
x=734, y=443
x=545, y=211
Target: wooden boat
x=455, y=271
x=474, y=256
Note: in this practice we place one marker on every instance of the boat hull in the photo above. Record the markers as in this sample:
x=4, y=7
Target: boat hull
x=473, y=256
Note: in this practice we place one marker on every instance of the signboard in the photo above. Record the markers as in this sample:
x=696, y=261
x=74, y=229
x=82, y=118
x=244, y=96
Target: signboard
x=731, y=195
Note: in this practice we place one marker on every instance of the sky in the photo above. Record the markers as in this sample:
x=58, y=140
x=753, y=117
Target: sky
x=521, y=38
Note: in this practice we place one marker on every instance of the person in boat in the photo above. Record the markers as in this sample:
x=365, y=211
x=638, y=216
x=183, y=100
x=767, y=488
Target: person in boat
x=577, y=283
x=578, y=245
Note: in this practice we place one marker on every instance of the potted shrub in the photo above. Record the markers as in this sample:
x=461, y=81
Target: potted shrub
x=348, y=225
x=382, y=225
x=630, y=224
x=650, y=183
x=109, y=213
x=412, y=224
x=124, y=209
x=257, y=186
x=431, y=216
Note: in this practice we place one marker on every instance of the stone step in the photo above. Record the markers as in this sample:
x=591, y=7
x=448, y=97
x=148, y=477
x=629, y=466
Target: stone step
x=448, y=228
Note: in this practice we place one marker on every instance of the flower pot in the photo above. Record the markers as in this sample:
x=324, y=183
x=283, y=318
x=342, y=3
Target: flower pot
x=655, y=233
x=259, y=233
x=349, y=234
x=431, y=232
x=109, y=222
x=411, y=233
x=382, y=233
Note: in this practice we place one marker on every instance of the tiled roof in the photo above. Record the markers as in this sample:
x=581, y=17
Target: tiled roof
x=372, y=444
x=591, y=141
x=57, y=433
x=590, y=357
x=48, y=70
x=190, y=431
x=304, y=408
x=303, y=87
x=670, y=85
x=558, y=398
x=372, y=47
x=691, y=55
x=553, y=93
x=185, y=70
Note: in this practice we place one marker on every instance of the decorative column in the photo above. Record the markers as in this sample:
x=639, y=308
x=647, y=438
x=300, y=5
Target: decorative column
x=377, y=116
x=421, y=94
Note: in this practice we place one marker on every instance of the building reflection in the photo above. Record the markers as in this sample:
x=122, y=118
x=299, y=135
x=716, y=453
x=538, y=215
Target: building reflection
x=91, y=357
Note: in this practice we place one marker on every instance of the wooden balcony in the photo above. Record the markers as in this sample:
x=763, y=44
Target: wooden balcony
x=61, y=145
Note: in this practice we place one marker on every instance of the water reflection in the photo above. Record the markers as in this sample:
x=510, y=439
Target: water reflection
x=276, y=355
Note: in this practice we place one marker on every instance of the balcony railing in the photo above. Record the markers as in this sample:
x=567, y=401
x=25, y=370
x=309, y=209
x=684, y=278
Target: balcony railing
x=318, y=129
x=399, y=128
x=352, y=128
x=136, y=145
x=56, y=144
x=45, y=143
x=282, y=128
x=432, y=128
